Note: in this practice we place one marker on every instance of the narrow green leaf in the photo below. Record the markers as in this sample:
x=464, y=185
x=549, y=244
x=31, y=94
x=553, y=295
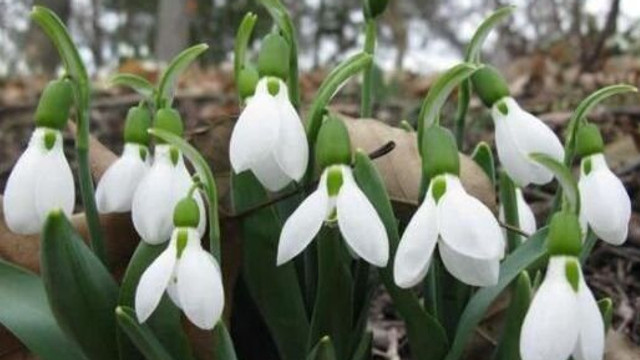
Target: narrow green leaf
x=164, y=97
x=565, y=178
x=474, y=48
x=427, y=338
x=364, y=349
x=25, y=312
x=515, y=263
x=81, y=292
x=483, y=156
x=141, y=335
x=223, y=343
x=274, y=289
x=323, y=350
x=587, y=246
x=242, y=42
x=606, y=309
x=509, y=203
x=509, y=345
x=139, y=84
x=206, y=176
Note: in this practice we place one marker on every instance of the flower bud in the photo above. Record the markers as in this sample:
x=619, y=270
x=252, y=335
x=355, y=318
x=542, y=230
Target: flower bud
x=565, y=235
x=439, y=152
x=169, y=120
x=247, y=81
x=333, y=145
x=589, y=140
x=186, y=213
x=489, y=85
x=55, y=102
x=273, y=59
x=136, y=126
x=374, y=8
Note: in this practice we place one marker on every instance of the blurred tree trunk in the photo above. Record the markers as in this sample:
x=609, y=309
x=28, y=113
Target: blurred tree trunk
x=96, y=44
x=173, y=28
x=40, y=54
x=610, y=27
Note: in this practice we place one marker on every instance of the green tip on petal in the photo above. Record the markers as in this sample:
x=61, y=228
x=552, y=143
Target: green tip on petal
x=572, y=272
x=565, y=234
x=182, y=240
x=333, y=145
x=438, y=188
x=489, y=85
x=586, y=166
x=55, y=104
x=439, y=152
x=186, y=213
x=334, y=180
x=247, y=81
x=273, y=86
x=136, y=126
x=174, y=154
x=169, y=120
x=49, y=139
x=273, y=59
x=589, y=140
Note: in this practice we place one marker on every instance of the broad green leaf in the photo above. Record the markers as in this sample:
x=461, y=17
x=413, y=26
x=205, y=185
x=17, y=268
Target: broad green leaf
x=529, y=252
x=164, y=96
x=483, y=156
x=323, y=350
x=139, y=84
x=141, y=335
x=274, y=289
x=509, y=345
x=24, y=311
x=223, y=343
x=565, y=178
x=489, y=23
x=81, y=292
x=427, y=338
x=333, y=310
x=509, y=203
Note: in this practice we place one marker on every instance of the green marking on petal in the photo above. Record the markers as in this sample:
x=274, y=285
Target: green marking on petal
x=49, y=139
x=572, y=273
x=273, y=85
x=143, y=153
x=502, y=107
x=174, y=153
x=438, y=188
x=334, y=180
x=183, y=238
x=587, y=166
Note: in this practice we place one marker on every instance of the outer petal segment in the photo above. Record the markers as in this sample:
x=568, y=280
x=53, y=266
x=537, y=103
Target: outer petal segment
x=154, y=282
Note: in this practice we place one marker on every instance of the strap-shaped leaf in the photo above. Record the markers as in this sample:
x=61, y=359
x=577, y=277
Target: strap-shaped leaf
x=509, y=203
x=141, y=335
x=139, y=84
x=365, y=347
x=81, y=292
x=323, y=350
x=25, y=312
x=164, y=97
x=474, y=48
x=223, y=343
x=565, y=178
x=509, y=345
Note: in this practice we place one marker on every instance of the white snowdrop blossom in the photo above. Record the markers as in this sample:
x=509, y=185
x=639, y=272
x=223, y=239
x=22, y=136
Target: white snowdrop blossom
x=158, y=193
x=269, y=138
x=191, y=277
x=40, y=182
x=605, y=204
x=519, y=134
x=526, y=218
x=117, y=186
x=563, y=319
x=338, y=196
x=466, y=231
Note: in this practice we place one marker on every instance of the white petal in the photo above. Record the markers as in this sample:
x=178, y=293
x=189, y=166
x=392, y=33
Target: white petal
x=305, y=222
x=526, y=218
x=292, y=149
x=154, y=281
x=518, y=134
x=416, y=246
x=268, y=171
x=200, y=286
x=475, y=271
x=172, y=290
x=255, y=132
x=590, y=345
x=550, y=328
x=605, y=202
x=117, y=186
x=54, y=187
x=360, y=223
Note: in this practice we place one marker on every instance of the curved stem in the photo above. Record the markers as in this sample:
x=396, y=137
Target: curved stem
x=366, y=106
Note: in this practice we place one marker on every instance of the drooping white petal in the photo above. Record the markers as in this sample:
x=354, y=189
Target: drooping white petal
x=475, y=271
x=268, y=171
x=256, y=131
x=199, y=284
x=417, y=245
x=605, y=202
x=172, y=290
x=360, y=223
x=117, y=186
x=19, y=202
x=519, y=134
x=305, y=222
x=590, y=345
x=550, y=328
x=292, y=149
x=154, y=282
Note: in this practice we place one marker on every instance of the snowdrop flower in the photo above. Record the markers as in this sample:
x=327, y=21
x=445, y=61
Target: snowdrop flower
x=269, y=138
x=526, y=218
x=189, y=274
x=517, y=133
x=466, y=232
x=162, y=187
x=41, y=179
x=337, y=198
x=605, y=204
x=563, y=319
x=118, y=184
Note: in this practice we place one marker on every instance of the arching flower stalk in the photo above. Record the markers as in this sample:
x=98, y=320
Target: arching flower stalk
x=42, y=180
x=117, y=186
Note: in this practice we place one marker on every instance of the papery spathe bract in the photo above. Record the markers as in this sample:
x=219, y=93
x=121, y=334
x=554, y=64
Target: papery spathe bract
x=605, y=204
x=40, y=181
x=162, y=187
x=338, y=197
x=468, y=235
x=519, y=134
x=269, y=138
x=189, y=274
x=117, y=186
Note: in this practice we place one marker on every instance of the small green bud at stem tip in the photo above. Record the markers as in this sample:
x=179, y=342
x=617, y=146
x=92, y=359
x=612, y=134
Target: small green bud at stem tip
x=589, y=140
x=489, y=85
x=186, y=213
x=333, y=145
x=54, y=105
x=439, y=152
x=273, y=59
x=136, y=125
x=169, y=120
x=565, y=235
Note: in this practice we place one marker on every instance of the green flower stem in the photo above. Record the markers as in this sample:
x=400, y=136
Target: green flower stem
x=165, y=92
x=77, y=73
x=366, y=104
x=464, y=96
x=509, y=203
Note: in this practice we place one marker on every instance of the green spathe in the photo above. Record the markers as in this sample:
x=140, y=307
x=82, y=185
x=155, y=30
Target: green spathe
x=273, y=59
x=439, y=152
x=565, y=235
x=186, y=213
x=169, y=120
x=333, y=145
x=247, y=81
x=374, y=8
x=54, y=105
x=589, y=140
x=489, y=85
x=136, y=126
